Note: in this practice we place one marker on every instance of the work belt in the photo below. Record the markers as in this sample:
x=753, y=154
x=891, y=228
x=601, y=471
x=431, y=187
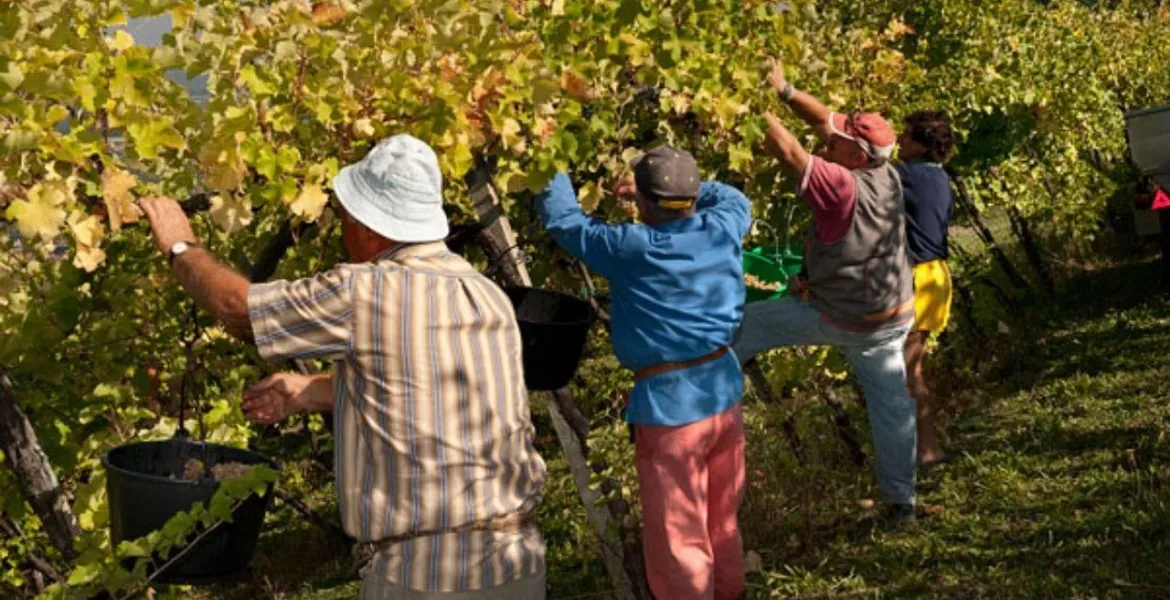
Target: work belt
x=513, y=522
x=668, y=367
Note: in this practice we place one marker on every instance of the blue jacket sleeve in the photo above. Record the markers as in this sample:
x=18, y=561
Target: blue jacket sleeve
x=599, y=244
x=727, y=205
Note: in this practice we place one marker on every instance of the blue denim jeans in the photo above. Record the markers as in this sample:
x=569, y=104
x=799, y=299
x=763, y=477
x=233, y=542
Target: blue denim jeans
x=879, y=365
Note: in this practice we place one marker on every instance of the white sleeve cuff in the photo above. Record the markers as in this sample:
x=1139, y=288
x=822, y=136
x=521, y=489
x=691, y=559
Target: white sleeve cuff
x=807, y=172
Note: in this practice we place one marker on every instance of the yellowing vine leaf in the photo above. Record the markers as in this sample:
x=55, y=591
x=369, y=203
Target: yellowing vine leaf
x=576, y=86
x=449, y=67
x=589, y=195
x=89, y=259
x=310, y=203
x=116, y=186
x=364, y=128
x=34, y=219
x=231, y=214
x=149, y=135
x=41, y=213
x=545, y=128
x=181, y=15
x=223, y=166
x=122, y=41
x=327, y=13
x=510, y=135
x=727, y=110
x=87, y=229
x=88, y=232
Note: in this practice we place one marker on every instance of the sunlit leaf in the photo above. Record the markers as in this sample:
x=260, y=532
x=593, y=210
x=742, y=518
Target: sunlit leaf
x=231, y=214
x=310, y=203
x=120, y=202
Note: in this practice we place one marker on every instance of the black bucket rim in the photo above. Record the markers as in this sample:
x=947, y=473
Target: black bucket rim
x=590, y=311
x=202, y=482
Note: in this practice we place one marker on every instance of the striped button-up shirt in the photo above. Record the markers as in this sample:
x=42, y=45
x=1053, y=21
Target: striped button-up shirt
x=432, y=426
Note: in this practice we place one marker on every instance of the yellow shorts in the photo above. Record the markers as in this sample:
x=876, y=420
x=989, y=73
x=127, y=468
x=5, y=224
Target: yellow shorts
x=932, y=296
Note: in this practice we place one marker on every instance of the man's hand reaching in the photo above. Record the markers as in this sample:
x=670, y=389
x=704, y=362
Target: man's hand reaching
x=168, y=223
x=776, y=77
x=284, y=394
x=625, y=189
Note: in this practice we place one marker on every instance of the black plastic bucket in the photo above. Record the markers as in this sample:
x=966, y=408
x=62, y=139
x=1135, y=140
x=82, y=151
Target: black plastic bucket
x=553, y=327
x=146, y=489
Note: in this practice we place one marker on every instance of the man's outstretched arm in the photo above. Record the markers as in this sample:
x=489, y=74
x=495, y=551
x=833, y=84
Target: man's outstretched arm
x=216, y=288
x=596, y=243
x=780, y=142
x=805, y=105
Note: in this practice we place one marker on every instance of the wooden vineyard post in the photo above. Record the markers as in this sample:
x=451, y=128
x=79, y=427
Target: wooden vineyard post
x=620, y=549
x=24, y=456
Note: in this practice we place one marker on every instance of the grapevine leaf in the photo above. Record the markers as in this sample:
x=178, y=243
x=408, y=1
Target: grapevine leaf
x=122, y=41
x=41, y=213
x=231, y=214
x=116, y=186
x=148, y=136
x=132, y=548
x=84, y=573
x=310, y=203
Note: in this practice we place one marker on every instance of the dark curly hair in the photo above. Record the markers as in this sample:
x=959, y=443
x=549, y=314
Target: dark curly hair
x=932, y=128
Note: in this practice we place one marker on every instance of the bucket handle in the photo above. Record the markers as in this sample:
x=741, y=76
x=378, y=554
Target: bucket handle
x=777, y=255
x=788, y=227
x=768, y=226
x=496, y=263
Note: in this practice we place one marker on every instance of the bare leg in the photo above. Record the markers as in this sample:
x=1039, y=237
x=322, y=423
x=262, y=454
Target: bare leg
x=929, y=449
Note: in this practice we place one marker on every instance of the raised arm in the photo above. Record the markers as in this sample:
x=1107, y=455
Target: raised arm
x=214, y=287
x=805, y=105
x=593, y=241
x=780, y=142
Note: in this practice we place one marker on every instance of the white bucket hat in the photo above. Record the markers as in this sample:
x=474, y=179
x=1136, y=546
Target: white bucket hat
x=396, y=191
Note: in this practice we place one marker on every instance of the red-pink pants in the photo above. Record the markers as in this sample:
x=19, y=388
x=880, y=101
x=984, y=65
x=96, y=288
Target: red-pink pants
x=692, y=480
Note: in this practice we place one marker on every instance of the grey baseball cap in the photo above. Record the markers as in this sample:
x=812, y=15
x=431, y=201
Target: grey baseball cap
x=668, y=177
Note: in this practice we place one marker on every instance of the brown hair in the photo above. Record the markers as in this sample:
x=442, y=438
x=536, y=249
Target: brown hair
x=932, y=128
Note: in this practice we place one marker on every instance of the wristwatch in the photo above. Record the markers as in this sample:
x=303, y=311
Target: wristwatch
x=178, y=249
x=787, y=92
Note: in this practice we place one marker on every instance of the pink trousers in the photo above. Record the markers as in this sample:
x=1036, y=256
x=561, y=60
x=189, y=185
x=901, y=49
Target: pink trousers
x=692, y=480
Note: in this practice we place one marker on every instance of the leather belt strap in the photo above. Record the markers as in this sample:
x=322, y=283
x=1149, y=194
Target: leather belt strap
x=661, y=368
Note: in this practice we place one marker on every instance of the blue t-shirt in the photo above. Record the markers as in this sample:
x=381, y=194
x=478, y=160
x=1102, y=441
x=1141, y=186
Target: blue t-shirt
x=929, y=204
x=677, y=294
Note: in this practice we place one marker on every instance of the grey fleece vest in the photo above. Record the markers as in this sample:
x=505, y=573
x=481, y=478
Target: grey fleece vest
x=864, y=279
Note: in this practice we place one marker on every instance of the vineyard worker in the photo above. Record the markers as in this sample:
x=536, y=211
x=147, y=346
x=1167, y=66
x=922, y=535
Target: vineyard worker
x=434, y=441
x=858, y=294
x=676, y=285
x=924, y=146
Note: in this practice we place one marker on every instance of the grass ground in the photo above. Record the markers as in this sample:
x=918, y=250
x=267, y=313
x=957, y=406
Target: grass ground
x=1059, y=488
x=1061, y=483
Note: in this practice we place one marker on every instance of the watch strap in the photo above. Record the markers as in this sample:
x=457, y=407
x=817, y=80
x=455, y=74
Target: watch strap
x=171, y=255
x=787, y=92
